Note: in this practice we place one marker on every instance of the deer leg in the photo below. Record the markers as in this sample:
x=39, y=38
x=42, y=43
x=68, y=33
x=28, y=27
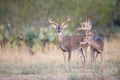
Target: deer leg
x=93, y=58
x=101, y=60
x=83, y=54
x=69, y=57
x=102, y=69
x=64, y=56
x=85, y=51
x=102, y=57
x=96, y=55
x=80, y=55
x=92, y=54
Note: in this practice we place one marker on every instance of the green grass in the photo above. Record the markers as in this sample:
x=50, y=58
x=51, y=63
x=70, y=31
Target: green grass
x=26, y=69
x=110, y=69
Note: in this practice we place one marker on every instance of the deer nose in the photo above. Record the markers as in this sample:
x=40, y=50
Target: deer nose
x=58, y=31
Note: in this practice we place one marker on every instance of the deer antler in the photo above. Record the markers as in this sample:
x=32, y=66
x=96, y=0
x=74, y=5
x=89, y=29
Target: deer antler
x=68, y=20
x=51, y=22
x=86, y=25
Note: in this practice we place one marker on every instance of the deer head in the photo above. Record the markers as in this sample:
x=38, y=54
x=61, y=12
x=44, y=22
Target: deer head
x=86, y=26
x=58, y=27
x=89, y=35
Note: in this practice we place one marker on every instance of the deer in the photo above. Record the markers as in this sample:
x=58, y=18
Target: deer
x=68, y=43
x=96, y=42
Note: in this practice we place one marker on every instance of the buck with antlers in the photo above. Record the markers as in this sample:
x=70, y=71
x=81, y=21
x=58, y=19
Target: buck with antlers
x=68, y=43
x=96, y=43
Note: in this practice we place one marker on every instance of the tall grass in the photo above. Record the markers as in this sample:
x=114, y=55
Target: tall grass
x=19, y=61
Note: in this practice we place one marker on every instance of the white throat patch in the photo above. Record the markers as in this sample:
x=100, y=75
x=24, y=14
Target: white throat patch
x=59, y=33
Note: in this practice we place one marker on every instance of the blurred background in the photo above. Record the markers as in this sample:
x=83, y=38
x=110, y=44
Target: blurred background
x=24, y=30
x=24, y=22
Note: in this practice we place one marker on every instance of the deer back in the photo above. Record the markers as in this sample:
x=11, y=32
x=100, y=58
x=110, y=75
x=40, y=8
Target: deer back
x=74, y=41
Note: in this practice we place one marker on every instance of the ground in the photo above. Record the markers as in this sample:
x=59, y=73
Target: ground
x=17, y=64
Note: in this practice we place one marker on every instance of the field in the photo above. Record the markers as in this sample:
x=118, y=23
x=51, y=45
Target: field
x=17, y=64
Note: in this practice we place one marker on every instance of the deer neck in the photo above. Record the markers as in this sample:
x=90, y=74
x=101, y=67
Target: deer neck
x=60, y=37
x=94, y=43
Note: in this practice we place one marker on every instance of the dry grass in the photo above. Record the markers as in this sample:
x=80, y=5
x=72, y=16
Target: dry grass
x=18, y=61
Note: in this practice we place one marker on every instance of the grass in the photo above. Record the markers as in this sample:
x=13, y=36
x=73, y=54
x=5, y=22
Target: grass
x=19, y=69
x=17, y=62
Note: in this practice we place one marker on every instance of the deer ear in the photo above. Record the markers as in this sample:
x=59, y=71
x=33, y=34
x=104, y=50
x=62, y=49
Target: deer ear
x=64, y=26
x=54, y=26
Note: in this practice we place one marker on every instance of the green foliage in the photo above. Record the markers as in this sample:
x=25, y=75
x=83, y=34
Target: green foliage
x=28, y=11
x=16, y=14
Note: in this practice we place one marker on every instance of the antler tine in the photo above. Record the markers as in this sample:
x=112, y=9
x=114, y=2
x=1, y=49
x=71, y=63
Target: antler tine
x=89, y=24
x=86, y=25
x=68, y=20
x=51, y=22
x=83, y=27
